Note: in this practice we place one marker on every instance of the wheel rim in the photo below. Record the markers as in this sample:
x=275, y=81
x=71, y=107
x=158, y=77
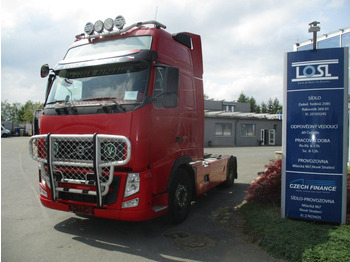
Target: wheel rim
x=181, y=196
x=230, y=173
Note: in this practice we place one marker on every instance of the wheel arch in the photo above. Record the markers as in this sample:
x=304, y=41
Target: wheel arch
x=184, y=163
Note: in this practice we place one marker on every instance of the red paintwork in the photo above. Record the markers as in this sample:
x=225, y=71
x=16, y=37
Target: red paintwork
x=216, y=172
x=152, y=132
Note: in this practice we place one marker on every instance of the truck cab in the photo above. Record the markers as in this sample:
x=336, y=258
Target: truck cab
x=121, y=131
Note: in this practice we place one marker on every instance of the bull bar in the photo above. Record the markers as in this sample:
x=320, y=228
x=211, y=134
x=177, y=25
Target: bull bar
x=81, y=160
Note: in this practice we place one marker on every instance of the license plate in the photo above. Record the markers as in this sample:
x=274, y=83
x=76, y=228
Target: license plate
x=81, y=210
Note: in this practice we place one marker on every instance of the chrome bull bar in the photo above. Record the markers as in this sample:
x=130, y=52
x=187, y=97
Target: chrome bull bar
x=81, y=160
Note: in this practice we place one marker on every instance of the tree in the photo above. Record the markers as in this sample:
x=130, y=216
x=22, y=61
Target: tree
x=10, y=112
x=257, y=109
x=252, y=103
x=270, y=106
x=277, y=108
x=243, y=98
x=26, y=113
x=18, y=113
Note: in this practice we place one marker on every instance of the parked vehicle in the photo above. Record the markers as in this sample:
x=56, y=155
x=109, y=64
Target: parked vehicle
x=5, y=132
x=121, y=132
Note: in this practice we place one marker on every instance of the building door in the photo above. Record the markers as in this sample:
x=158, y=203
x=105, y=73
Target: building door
x=262, y=137
x=272, y=137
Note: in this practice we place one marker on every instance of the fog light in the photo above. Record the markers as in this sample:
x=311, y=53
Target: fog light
x=131, y=203
x=109, y=24
x=119, y=22
x=89, y=29
x=98, y=26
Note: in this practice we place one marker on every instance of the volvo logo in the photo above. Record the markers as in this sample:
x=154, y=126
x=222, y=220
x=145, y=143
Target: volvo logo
x=110, y=150
x=80, y=150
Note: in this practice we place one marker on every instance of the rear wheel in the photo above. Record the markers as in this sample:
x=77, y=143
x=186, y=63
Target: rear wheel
x=180, y=196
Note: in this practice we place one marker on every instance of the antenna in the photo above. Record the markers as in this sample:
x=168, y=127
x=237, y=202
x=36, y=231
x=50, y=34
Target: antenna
x=155, y=16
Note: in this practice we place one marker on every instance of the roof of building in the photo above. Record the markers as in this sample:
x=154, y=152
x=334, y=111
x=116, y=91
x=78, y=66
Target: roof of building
x=240, y=115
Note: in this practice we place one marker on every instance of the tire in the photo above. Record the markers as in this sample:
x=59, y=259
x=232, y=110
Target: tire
x=231, y=172
x=180, y=196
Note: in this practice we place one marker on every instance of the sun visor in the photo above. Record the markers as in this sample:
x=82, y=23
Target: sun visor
x=120, y=57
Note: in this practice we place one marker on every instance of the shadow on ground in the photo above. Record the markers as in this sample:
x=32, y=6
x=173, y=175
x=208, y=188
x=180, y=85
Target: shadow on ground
x=206, y=229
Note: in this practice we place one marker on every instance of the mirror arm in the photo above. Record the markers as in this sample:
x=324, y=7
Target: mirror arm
x=49, y=86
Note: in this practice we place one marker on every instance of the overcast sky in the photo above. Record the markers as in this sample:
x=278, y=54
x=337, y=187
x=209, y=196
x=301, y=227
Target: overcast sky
x=243, y=41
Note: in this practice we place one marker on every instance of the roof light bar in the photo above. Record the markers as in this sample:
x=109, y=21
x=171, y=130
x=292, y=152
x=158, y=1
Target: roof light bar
x=97, y=30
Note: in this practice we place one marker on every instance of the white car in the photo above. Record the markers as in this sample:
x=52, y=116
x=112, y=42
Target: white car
x=5, y=132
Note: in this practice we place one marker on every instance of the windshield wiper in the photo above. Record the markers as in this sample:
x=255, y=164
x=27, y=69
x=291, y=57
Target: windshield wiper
x=67, y=104
x=109, y=99
x=70, y=104
x=56, y=101
x=116, y=104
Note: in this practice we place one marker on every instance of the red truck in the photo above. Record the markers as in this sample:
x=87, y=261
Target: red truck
x=121, y=132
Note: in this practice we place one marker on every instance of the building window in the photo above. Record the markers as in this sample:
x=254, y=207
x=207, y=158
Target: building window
x=248, y=130
x=345, y=39
x=223, y=129
x=229, y=108
x=329, y=42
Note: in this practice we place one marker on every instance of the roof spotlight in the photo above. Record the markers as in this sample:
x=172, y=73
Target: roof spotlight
x=98, y=26
x=89, y=29
x=108, y=24
x=119, y=22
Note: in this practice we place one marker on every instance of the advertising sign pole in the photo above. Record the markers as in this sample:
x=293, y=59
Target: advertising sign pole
x=315, y=135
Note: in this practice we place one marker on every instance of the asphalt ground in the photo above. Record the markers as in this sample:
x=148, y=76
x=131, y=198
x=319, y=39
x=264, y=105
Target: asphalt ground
x=31, y=232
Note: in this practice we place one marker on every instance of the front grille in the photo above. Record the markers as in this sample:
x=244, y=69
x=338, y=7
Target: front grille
x=73, y=150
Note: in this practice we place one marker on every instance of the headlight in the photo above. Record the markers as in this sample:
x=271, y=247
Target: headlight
x=132, y=184
x=43, y=192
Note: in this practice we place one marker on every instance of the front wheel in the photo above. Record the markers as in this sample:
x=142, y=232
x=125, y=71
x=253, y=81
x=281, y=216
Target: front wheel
x=180, y=196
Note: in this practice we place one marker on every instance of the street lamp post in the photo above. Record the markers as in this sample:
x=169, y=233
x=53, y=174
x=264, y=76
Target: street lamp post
x=314, y=28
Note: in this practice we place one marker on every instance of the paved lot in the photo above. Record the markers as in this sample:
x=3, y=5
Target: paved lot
x=31, y=232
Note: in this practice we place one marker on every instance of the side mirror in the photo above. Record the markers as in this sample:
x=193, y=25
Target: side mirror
x=44, y=71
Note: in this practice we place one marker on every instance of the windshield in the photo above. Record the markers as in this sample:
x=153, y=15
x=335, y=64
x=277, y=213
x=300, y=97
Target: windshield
x=123, y=83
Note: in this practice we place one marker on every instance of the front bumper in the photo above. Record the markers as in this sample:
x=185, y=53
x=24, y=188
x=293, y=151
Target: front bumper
x=149, y=206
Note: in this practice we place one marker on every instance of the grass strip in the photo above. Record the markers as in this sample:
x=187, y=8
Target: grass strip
x=294, y=240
